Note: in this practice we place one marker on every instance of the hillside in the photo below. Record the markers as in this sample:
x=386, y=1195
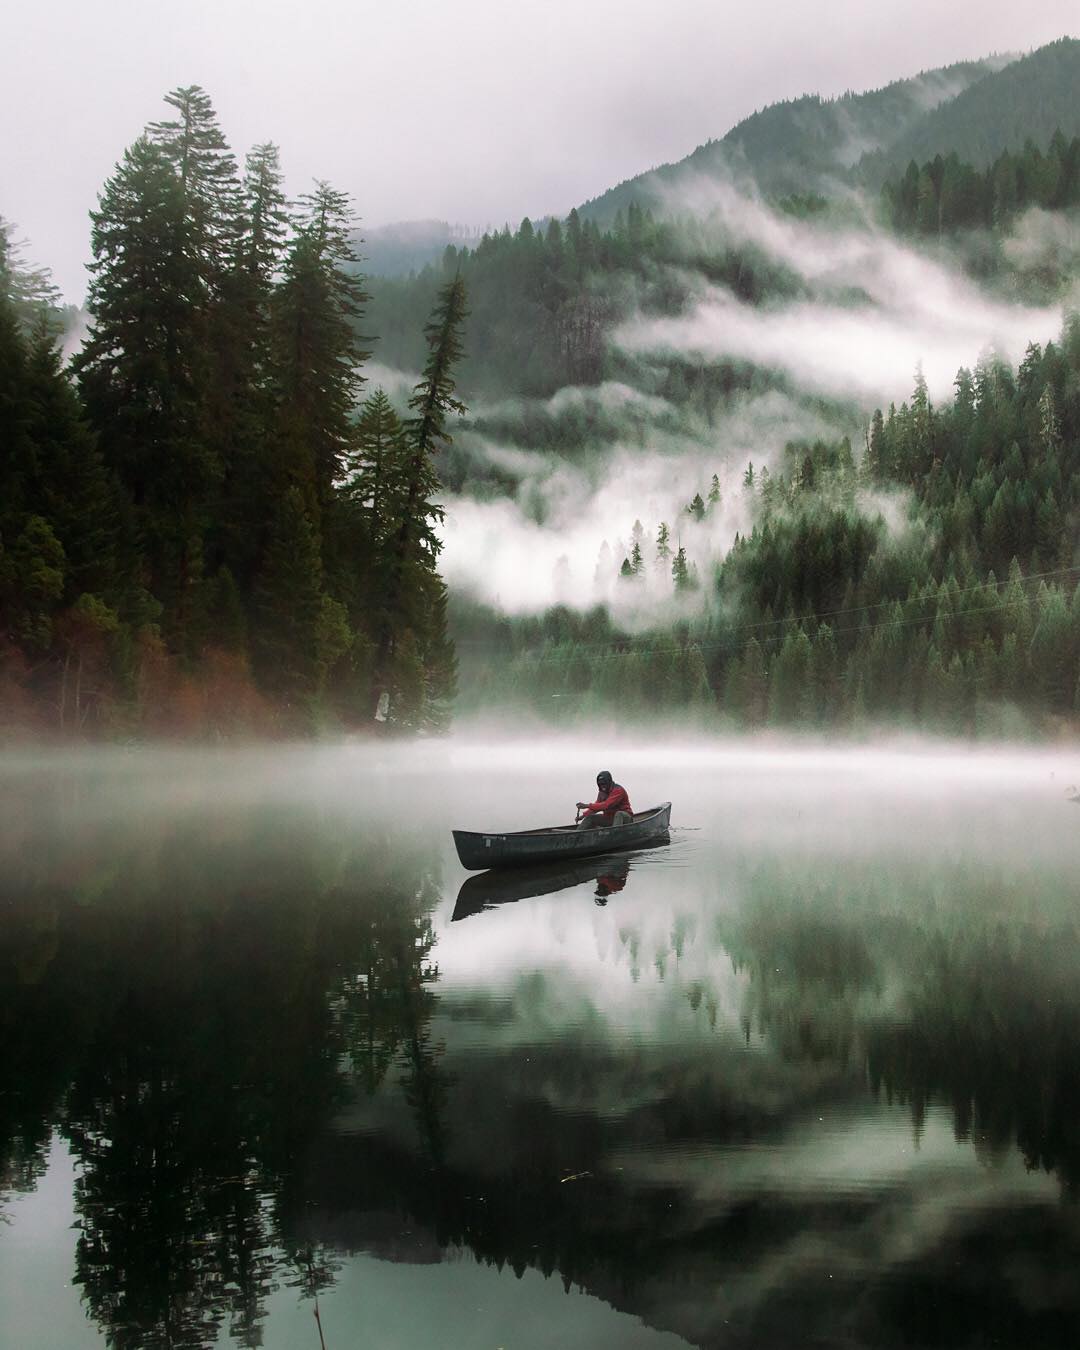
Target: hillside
x=792, y=146
x=1029, y=99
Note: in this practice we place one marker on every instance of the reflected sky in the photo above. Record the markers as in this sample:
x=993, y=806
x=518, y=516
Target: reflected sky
x=810, y=1069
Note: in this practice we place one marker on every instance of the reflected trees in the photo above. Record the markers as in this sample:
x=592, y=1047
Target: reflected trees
x=188, y=1008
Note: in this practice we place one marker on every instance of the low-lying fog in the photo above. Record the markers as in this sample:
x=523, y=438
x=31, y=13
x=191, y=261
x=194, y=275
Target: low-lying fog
x=842, y=999
x=1009, y=804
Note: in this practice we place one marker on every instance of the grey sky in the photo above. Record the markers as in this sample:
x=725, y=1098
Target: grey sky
x=476, y=112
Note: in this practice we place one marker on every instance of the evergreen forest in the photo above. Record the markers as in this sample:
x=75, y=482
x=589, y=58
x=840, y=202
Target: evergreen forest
x=207, y=523
x=212, y=523
x=962, y=616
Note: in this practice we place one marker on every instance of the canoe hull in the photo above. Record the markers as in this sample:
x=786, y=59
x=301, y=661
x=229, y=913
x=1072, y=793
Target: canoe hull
x=526, y=847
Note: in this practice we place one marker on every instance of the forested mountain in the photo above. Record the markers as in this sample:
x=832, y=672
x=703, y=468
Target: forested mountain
x=1030, y=99
x=543, y=303
x=977, y=109
x=963, y=617
x=202, y=530
x=797, y=145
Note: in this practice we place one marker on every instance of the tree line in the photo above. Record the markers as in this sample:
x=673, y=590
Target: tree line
x=945, y=194
x=200, y=521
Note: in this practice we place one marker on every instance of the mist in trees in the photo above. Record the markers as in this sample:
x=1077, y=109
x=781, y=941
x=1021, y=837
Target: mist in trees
x=960, y=613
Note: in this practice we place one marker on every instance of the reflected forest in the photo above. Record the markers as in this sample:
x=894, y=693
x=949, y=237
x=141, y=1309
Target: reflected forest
x=235, y=1027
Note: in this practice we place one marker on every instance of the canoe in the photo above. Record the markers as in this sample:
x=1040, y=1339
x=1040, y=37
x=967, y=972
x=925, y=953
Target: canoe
x=503, y=886
x=558, y=842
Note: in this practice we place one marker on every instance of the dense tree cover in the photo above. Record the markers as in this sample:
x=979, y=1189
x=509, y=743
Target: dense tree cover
x=204, y=529
x=1025, y=100
x=946, y=194
x=542, y=302
x=934, y=581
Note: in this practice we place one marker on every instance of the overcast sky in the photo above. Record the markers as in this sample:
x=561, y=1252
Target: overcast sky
x=476, y=112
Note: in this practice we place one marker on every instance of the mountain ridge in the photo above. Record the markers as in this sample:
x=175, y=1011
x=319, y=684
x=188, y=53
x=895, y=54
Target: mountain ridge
x=783, y=145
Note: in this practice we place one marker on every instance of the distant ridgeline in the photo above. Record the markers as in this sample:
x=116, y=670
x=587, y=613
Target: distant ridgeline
x=979, y=109
x=962, y=618
x=198, y=533
x=543, y=298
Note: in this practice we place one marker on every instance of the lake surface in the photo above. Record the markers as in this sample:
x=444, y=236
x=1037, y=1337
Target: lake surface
x=809, y=1075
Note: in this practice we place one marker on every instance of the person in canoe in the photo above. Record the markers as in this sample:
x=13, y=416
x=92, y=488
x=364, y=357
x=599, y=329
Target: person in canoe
x=612, y=805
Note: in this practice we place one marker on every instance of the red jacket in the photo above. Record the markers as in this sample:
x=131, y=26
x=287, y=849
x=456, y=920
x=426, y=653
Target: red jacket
x=616, y=800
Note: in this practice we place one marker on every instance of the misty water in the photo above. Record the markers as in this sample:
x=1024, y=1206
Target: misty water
x=808, y=1074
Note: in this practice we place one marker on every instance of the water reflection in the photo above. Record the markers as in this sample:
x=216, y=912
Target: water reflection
x=764, y=1098
x=488, y=889
x=945, y=1006
x=180, y=1006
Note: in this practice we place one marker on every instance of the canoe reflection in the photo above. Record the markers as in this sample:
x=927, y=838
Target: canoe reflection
x=502, y=887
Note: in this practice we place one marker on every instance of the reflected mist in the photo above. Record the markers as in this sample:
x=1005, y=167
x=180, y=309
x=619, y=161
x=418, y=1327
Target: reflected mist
x=809, y=1071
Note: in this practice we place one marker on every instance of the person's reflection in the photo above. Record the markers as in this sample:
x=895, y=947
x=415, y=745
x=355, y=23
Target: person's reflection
x=614, y=879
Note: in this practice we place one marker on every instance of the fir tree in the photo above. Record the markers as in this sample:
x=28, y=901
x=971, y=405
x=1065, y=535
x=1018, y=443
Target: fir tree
x=413, y=590
x=142, y=370
x=680, y=572
x=317, y=353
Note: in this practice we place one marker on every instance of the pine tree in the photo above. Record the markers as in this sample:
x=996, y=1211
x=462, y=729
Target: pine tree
x=73, y=489
x=29, y=291
x=209, y=186
x=241, y=399
x=142, y=370
x=317, y=353
x=680, y=573
x=378, y=460
x=663, y=545
x=265, y=223
x=413, y=586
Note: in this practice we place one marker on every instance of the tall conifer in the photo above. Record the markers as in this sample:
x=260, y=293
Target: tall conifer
x=414, y=601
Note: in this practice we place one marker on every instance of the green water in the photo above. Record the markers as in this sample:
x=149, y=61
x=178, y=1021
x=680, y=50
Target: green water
x=808, y=1075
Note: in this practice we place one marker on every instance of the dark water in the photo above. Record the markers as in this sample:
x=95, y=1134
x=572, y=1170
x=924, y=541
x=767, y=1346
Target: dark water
x=808, y=1076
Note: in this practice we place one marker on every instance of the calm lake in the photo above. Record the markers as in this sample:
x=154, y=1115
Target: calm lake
x=807, y=1075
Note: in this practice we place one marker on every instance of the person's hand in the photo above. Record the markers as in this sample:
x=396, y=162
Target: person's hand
x=582, y=805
